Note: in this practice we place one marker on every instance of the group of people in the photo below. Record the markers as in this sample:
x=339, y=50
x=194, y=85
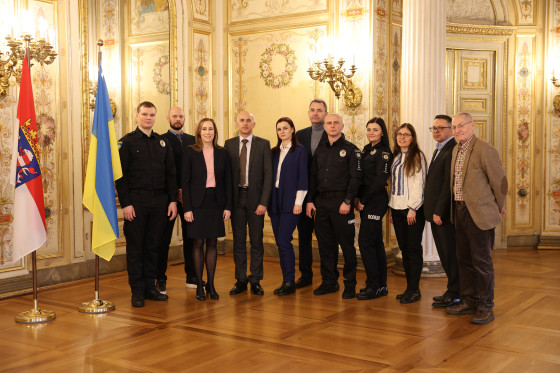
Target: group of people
x=313, y=180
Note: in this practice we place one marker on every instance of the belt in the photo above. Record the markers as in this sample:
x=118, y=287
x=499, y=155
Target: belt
x=459, y=203
x=243, y=188
x=328, y=195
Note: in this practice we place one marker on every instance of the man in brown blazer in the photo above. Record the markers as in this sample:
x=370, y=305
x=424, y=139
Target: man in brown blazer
x=479, y=187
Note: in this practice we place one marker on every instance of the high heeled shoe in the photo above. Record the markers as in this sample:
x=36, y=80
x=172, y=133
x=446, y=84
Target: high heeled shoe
x=200, y=295
x=211, y=292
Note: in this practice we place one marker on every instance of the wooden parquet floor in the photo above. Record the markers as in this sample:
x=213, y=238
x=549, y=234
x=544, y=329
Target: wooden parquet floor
x=299, y=333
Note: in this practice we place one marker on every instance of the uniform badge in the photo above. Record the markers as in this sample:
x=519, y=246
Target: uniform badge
x=162, y=143
x=119, y=144
x=385, y=155
x=343, y=153
x=358, y=155
x=373, y=151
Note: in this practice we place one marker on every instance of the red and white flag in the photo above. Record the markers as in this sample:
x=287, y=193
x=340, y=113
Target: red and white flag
x=29, y=226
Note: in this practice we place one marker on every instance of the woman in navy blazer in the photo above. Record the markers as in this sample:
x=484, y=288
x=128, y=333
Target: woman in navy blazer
x=206, y=181
x=289, y=170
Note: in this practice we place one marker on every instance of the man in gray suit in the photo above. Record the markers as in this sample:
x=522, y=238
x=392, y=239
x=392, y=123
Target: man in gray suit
x=479, y=188
x=251, y=169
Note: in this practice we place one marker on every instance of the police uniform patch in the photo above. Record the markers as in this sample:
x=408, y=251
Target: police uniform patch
x=373, y=151
x=162, y=143
x=119, y=144
x=385, y=155
x=358, y=155
x=343, y=153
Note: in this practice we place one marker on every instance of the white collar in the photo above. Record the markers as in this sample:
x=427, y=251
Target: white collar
x=282, y=147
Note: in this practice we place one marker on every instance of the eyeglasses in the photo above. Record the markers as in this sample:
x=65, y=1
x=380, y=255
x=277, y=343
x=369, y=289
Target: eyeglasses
x=460, y=126
x=399, y=134
x=437, y=129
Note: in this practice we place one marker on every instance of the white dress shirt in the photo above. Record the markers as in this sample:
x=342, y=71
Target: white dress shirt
x=300, y=194
x=250, y=140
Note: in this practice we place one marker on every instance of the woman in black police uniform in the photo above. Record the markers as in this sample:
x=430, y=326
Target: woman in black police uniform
x=206, y=200
x=372, y=203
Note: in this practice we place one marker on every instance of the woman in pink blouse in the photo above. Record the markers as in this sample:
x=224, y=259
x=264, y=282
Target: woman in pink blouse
x=206, y=200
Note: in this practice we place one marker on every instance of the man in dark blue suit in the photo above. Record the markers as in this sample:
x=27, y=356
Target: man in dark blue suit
x=310, y=138
x=178, y=141
x=437, y=202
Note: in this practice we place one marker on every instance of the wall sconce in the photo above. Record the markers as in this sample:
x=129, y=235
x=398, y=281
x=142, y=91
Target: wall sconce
x=40, y=51
x=338, y=79
x=556, y=100
x=93, y=93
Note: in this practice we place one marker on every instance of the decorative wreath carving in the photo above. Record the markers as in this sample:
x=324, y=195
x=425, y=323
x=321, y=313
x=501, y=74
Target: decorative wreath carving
x=284, y=78
x=161, y=85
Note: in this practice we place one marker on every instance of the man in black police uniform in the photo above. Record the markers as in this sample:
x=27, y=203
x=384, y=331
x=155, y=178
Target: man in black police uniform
x=178, y=141
x=310, y=138
x=334, y=182
x=147, y=193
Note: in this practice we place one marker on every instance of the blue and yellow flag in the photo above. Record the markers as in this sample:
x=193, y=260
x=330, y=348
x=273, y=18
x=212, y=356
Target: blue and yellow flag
x=103, y=168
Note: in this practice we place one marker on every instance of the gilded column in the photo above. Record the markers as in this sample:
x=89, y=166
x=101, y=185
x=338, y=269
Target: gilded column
x=423, y=85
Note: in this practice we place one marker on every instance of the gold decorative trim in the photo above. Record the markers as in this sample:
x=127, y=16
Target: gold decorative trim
x=173, y=52
x=455, y=28
x=474, y=105
x=84, y=68
x=479, y=63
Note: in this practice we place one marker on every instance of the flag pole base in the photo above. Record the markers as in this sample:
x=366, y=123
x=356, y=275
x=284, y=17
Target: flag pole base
x=35, y=316
x=97, y=306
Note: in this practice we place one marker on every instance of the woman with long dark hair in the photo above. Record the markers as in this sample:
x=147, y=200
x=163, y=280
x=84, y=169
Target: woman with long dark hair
x=289, y=170
x=372, y=203
x=207, y=200
x=408, y=174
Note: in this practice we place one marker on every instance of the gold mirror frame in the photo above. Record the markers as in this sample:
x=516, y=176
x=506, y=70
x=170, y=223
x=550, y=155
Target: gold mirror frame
x=84, y=68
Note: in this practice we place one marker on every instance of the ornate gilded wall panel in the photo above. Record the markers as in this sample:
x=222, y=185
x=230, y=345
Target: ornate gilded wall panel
x=148, y=17
x=380, y=48
x=268, y=77
x=474, y=74
x=524, y=123
x=245, y=10
x=525, y=12
x=551, y=214
x=472, y=11
x=396, y=44
x=201, y=10
x=201, y=77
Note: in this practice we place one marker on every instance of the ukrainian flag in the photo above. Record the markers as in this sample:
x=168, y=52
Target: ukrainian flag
x=103, y=168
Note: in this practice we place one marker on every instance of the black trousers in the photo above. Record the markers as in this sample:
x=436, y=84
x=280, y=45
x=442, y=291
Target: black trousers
x=163, y=251
x=372, y=249
x=474, y=253
x=143, y=238
x=444, y=238
x=409, y=238
x=305, y=237
x=333, y=229
x=241, y=217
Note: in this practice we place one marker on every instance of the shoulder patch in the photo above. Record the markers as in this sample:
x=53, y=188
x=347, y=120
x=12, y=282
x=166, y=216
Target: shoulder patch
x=119, y=144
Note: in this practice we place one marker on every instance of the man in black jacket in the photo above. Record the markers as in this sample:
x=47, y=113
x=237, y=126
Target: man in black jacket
x=437, y=199
x=310, y=137
x=178, y=140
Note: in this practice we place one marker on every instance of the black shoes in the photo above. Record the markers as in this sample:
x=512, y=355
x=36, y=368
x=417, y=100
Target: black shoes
x=211, y=292
x=401, y=295
x=137, y=300
x=349, y=292
x=200, y=295
x=369, y=293
x=303, y=282
x=153, y=294
x=256, y=288
x=161, y=286
x=326, y=288
x=238, y=288
x=287, y=288
x=411, y=297
x=446, y=301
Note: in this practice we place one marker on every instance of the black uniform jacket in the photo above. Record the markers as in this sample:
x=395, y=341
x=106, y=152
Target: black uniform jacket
x=194, y=178
x=376, y=164
x=148, y=168
x=336, y=168
x=178, y=148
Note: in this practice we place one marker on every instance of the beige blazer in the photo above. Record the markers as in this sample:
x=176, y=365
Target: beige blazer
x=484, y=183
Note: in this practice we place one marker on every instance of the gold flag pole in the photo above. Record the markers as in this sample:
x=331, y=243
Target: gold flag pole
x=34, y=315
x=97, y=305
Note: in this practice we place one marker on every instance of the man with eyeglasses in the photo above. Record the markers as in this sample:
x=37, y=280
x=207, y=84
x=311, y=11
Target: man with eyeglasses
x=437, y=201
x=479, y=187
